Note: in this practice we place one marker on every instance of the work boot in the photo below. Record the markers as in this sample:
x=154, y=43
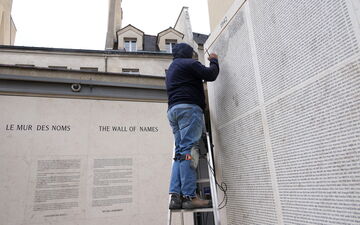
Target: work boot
x=196, y=203
x=175, y=201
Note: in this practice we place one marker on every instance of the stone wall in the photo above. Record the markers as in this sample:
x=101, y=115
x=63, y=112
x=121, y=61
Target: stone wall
x=83, y=161
x=285, y=111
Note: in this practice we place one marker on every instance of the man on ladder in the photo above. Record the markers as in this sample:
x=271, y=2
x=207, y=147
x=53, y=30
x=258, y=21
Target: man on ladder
x=186, y=99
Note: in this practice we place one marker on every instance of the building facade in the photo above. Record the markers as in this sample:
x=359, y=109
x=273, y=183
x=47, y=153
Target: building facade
x=84, y=134
x=217, y=12
x=7, y=25
x=128, y=50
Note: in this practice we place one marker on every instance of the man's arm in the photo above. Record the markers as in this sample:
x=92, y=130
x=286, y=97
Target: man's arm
x=207, y=73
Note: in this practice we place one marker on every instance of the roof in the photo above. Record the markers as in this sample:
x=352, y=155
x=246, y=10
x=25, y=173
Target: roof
x=171, y=29
x=129, y=26
x=107, y=52
x=150, y=47
x=200, y=39
x=150, y=43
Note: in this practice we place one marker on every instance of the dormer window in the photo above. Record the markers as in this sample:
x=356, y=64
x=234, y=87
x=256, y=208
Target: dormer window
x=130, y=38
x=169, y=44
x=130, y=44
x=168, y=38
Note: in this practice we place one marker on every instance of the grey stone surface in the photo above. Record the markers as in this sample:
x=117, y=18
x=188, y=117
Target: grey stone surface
x=285, y=112
x=81, y=161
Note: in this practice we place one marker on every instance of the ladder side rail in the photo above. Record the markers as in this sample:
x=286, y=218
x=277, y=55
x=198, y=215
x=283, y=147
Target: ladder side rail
x=169, y=215
x=213, y=186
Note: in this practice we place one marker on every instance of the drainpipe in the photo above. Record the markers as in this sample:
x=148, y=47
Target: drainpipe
x=106, y=63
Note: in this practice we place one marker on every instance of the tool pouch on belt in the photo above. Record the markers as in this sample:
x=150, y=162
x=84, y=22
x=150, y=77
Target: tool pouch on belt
x=195, y=154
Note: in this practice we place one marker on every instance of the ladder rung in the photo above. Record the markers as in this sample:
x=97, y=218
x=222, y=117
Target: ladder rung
x=207, y=180
x=193, y=210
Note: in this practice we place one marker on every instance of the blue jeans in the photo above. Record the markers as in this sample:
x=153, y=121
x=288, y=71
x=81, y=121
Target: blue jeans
x=187, y=123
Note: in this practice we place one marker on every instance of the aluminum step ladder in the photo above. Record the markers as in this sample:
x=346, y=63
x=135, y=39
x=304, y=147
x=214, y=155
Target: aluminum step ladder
x=213, y=189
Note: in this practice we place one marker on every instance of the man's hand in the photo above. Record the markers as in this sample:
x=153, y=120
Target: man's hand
x=213, y=56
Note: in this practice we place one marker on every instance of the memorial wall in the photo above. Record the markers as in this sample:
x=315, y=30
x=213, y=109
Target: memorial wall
x=85, y=162
x=285, y=111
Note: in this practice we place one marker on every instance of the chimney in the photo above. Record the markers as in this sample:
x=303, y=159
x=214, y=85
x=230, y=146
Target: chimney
x=114, y=22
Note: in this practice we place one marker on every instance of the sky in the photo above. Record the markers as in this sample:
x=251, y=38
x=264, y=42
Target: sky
x=82, y=24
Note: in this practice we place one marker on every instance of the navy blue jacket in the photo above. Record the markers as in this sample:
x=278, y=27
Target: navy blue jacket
x=185, y=76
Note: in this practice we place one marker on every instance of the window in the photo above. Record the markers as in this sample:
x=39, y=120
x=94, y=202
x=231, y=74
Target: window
x=130, y=44
x=94, y=69
x=25, y=65
x=58, y=67
x=169, y=43
x=131, y=71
